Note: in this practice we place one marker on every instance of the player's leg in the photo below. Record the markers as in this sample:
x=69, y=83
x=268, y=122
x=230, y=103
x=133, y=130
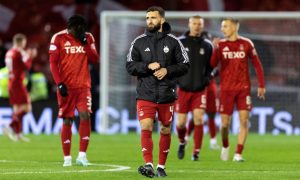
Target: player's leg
x=20, y=101
x=66, y=140
x=213, y=143
x=66, y=112
x=182, y=108
x=244, y=106
x=198, y=106
x=198, y=132
x=165, y=116
x=84, y=138
x=146, y=113
x=84, y=107
x=181, y=131
x=226, y=109
x=242, y=136
x=211, y=110
x=225, y=118
x=190, y=128
x=22, y=110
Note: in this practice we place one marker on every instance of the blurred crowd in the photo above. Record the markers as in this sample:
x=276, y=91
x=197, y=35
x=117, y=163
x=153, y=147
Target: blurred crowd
x=39, y=19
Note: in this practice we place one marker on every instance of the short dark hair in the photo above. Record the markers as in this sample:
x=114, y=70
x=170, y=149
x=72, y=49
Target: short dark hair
x=231, y=19
x=76, y=20
x=160, y=10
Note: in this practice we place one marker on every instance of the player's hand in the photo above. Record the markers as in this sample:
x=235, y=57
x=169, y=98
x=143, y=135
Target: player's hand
x=161, y=73
x=63, y=90
x=82, y=38
x=32, y=52
x=154, y=66
x=216, y=41
x=261, y=93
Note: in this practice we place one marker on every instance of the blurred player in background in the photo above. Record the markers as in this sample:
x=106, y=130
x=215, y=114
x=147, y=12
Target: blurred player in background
x=233, y=53
x=212, y=104
x=18, y=61
x=70, y=51
x=157, y=58
x=192, y=86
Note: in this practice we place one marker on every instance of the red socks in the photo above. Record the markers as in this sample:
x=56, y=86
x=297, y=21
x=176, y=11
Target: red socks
x=147, y=145
x=212, y=128
x=239, y=149
x=181, y=134
x=16, y=123
x=84, y=133
x=225, y=140
x=66, y=138
x=198, y=136
x=164, y=148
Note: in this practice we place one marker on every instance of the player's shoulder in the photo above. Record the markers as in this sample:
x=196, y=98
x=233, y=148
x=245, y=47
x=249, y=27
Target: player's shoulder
x=222, y=41
x=208, y=42
x=139, y=39
x=246, y=40
x=11, y=52
x=174, y=40
x=182, y=37
x=58, y=34
x=173, y=37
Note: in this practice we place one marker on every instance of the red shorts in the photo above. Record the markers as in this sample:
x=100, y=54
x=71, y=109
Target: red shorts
x=148, y=109
x=80, y=99
x=18, y=95
x=188, y=101
x=241, y=98
x=212, y=105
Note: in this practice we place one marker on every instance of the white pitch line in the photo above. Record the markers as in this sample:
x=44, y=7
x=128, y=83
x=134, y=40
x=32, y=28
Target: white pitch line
x=112, y=168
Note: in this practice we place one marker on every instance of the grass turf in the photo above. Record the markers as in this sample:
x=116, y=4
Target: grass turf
x=267, y=157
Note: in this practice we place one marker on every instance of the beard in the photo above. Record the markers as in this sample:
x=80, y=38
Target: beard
x=154, y=28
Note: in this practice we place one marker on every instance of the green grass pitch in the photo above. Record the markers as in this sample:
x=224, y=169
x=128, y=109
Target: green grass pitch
x=118, y=157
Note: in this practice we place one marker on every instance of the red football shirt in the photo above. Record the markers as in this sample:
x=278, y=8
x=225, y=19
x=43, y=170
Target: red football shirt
x=234, y=70
x=72, y=59
x=18, y=62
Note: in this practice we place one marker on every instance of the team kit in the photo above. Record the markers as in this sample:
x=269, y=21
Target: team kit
x=174, y=75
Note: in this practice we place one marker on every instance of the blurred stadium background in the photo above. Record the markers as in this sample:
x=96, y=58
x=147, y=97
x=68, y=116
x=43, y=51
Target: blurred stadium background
x=277, y=41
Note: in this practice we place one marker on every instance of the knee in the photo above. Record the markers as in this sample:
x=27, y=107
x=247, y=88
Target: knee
x=198, y=120
x=165, y=130
x=146, y=124
x=84, y=115
x=180, y=125
x=225, y=124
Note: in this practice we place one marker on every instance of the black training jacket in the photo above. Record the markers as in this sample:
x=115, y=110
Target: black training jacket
x=199, y=51
x=161, y=47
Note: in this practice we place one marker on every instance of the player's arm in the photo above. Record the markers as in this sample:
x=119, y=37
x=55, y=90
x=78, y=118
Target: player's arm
x=134, y=65
x=182, y=63
x=259, y=72
x=208, y=69
x=90, y=50
x=27, y=57
x=54, y=67
x=54, y=58
x=62, y=88
x=215, y=58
